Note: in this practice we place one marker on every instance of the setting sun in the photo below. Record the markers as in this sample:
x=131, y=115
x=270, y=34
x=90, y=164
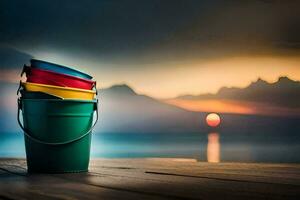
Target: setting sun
x=213, y=119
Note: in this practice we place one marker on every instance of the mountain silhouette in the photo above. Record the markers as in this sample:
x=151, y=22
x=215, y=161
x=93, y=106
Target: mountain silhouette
x=285, y=92
x=117, y=90
x=122, y=109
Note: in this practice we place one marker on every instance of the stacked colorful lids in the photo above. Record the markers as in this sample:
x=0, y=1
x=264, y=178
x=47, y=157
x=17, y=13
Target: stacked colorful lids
x=49, y=80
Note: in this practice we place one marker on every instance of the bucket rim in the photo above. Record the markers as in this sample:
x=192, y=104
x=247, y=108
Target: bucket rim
x=59, y=88
x=60, y=74
x=63, y=100
x=60, y=66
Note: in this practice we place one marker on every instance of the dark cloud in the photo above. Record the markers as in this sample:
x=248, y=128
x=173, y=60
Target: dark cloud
x=152, y=30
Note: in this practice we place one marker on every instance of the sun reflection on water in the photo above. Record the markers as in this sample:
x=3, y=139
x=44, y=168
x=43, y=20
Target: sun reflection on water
x=213, y=148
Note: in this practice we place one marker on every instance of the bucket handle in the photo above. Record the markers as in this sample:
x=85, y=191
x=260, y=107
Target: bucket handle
x=56, y=143
x=95, y=87
x=26, y=70
x=20, y=87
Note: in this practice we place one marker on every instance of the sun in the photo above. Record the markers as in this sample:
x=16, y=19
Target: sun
x=213, y=119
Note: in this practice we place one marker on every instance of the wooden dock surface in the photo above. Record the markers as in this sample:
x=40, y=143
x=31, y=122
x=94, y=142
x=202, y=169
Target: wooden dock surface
x=156, y=178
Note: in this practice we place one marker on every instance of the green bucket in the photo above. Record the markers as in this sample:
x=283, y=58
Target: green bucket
x=57, y=134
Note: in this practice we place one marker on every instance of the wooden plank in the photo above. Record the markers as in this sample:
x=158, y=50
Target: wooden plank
x=189, y=180
x=288, y=174
x=15, y=183
x=156, y=178
x=51, y=187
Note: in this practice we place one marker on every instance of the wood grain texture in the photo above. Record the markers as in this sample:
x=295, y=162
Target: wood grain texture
x=157, y=178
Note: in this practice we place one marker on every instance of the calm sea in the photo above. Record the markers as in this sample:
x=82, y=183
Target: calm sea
x=210, y=147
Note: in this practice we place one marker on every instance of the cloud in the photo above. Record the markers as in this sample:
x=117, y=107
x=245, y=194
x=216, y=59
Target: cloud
x=150, y=31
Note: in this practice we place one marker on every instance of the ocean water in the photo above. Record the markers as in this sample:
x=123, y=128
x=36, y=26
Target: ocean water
x=208, y=147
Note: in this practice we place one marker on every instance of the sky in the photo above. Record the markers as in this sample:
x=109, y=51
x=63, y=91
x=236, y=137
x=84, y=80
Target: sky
x=162, y=48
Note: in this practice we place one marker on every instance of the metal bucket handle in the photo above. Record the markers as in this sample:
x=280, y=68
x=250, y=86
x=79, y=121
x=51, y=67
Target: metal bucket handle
x=19, y=88
x=56, y=143
x=26, y=69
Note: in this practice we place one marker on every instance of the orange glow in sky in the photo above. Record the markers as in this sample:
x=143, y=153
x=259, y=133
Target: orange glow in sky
x=220, y=106
x=231, y=106
x=170, y=79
